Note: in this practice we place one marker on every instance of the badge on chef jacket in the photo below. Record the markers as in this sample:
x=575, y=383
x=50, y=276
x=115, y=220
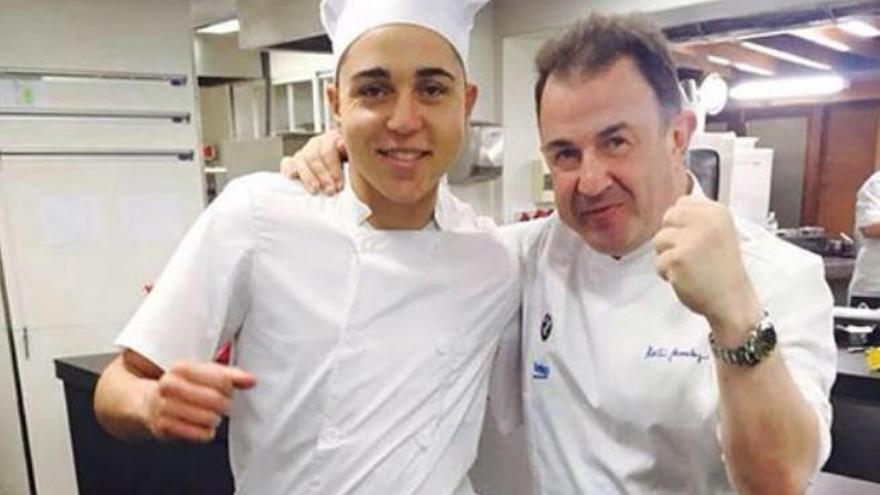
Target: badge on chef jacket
x=546, y=327
x=540, y=370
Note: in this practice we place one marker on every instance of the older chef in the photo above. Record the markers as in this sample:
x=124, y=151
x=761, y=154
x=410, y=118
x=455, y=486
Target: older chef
x=712, y=377
x=366, y=322
x=865, y=284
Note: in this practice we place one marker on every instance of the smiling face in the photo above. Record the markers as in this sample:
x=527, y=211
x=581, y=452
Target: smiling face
x=402, y=104
x=617, y=165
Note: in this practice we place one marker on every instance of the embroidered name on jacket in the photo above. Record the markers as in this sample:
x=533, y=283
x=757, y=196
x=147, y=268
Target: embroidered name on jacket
x=671, y=354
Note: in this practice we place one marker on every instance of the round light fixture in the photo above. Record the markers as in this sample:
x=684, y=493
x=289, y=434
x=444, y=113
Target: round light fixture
x=713, y=93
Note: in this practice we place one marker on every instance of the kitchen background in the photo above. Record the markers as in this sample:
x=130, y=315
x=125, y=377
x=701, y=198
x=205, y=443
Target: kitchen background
x=120, y=120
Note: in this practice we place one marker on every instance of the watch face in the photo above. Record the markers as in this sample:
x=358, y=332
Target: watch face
x=766, y=340
x=761, y=342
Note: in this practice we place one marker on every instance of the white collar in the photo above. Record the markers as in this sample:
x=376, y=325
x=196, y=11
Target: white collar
x=450, y=214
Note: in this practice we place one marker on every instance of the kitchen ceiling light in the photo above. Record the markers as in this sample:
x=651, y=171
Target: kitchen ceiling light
x=781, y=55
x=859, y=28
x=713, y=93
x=754, y=69
x=821, y=39
x=224, y=27
x=794, y=87
x=719, y=60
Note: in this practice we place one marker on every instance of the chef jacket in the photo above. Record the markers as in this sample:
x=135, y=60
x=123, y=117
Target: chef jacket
x=619, y=385
x=866, y=276
x=371, y=349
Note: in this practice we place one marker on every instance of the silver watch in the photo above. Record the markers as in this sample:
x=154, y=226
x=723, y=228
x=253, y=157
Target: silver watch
x=759, y=344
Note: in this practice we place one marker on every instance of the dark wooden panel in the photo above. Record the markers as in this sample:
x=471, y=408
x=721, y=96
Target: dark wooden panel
x=813, y=166
x=850, y=144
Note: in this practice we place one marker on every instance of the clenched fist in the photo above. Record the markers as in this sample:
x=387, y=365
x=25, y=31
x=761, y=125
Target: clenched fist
x=698, y=254
x=188, y=401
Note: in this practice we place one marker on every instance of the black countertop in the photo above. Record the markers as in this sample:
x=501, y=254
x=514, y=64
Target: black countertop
x=106, y=465
x=854, y=379
x=82, y=371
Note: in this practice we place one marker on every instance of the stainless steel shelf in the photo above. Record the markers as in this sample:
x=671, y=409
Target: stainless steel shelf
x=176, y=117
x=22, y=72
x=182, y=154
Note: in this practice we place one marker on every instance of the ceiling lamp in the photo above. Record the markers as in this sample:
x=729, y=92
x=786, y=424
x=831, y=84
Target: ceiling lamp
x=782, y=88
x=820, y=39
x=719, y=60
x=859, y=28
x=782, y=55
x=754, y=69
x=713, y=93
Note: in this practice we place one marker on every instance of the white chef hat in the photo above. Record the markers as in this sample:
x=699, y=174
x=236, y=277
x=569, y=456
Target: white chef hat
x=346, y=20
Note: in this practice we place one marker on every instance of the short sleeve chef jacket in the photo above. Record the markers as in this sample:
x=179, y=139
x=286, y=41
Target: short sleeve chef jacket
x=619, y=384
x=371, y=349
x=866, y=277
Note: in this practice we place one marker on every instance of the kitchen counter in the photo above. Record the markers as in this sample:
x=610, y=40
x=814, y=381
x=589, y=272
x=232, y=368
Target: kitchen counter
x=838, y=272
x=151, y=467
x=105, y=465
x=838, y=268
x=855, y=430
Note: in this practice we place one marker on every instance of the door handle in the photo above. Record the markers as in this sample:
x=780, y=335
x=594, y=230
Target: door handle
x=26, y=340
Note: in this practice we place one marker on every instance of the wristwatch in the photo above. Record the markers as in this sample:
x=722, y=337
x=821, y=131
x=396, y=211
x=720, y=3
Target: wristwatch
x=759, y=344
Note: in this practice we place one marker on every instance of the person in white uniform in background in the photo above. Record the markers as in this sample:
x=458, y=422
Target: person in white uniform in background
x=364, y=324
x=668, y=347
x=865, y=284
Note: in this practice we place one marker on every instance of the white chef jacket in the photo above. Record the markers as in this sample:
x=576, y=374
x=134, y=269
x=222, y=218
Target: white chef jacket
x=866, y=276
x=371, y=348
x=619, y=384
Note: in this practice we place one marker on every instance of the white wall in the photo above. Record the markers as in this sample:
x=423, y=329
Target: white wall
x=481, y=65
x=521, y=143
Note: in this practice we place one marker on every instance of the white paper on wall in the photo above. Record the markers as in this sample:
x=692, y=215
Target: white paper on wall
x=70, y=220
x=150, y=217
x=750, y=184
x=7, y=94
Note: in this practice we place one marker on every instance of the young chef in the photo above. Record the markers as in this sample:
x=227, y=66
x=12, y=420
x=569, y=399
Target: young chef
x=865, y=284
x=364, y=324
x=712, y=377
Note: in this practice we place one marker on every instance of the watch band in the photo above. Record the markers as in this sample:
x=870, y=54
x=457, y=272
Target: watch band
x=759, y=344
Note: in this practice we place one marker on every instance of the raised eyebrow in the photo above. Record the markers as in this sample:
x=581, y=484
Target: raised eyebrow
x=427, y=72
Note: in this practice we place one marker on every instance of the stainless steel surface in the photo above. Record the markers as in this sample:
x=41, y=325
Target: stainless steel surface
x=482, y=155
x=267, y=23
x=19, y=72
x=182, y=155
x=176, y=117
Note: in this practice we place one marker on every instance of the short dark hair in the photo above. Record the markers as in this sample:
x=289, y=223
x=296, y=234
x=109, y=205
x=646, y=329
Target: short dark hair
x=596, y=42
